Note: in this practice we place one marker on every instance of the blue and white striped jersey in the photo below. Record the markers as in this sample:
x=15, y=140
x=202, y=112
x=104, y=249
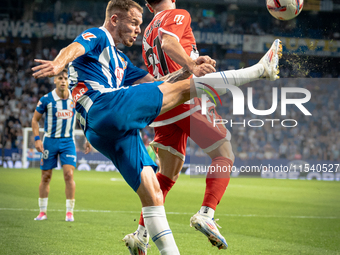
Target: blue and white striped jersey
x=102, y=69
x=59, y=119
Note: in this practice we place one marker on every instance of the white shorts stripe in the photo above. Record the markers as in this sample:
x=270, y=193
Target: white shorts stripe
x=176, y=118
x=168, y=148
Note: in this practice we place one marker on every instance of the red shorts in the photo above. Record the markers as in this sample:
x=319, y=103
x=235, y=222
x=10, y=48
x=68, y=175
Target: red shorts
x=200, y=128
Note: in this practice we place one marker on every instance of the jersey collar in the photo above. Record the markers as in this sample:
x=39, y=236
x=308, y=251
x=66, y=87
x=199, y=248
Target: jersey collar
x=109, y=36
x=56, y=97
x=159, y=13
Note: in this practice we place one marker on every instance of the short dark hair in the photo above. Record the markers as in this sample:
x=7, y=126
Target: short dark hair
x=121, y=6
x=153, y=2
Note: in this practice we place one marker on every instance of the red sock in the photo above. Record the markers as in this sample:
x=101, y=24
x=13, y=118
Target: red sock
x=217, y=182
x=166, y=184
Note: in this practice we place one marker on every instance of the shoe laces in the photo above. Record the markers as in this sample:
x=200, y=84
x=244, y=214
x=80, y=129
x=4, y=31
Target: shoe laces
x=136, y=233
x=214, y=220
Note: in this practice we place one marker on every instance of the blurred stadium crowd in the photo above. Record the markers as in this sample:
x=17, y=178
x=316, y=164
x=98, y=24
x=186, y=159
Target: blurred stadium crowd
x=234, y=18
x=316, y=139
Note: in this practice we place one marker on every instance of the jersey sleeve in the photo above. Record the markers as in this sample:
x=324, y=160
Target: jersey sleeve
x=132, y=72
x=42, y=105
x=176, y=23
x=90, y=38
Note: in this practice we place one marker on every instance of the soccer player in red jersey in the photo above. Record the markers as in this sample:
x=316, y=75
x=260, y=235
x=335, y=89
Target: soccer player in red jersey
x=169, y=45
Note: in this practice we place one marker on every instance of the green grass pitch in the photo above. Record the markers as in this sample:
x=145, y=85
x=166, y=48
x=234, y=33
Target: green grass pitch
x=258, y=216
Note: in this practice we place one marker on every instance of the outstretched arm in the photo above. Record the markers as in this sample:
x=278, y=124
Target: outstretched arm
x=202, y=63
x=65, y=56
x=198, y=67
x=203, y=66
x=179, y=75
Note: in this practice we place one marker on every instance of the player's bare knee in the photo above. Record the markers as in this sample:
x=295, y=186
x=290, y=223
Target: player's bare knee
x=175, y=177
x=224, y=150
x=68, y=173
x=227, y=152
x=231, y=156
x=68, y=176
x=150, y=198
x=46, y=177
x=154, y=195
x=159, y=197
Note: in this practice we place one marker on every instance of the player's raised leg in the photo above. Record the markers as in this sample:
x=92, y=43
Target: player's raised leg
x=179, y=92
x=44, y=189
x=70, y=189
x=268, y=68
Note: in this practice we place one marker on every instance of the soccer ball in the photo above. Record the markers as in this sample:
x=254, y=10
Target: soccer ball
x=284, y=9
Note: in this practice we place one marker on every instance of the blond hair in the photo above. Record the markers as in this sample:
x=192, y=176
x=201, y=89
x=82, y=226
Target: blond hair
x=121, y=6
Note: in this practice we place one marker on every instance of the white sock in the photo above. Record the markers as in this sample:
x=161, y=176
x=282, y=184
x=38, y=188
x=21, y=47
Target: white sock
x=43, y=204
x=157, y=225
x=70, y=205
x=207, y=211
x=221, y=80
x=143, y=232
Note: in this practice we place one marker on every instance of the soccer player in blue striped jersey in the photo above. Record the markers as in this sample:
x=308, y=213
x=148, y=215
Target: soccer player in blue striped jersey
x=114, y=99
x=58, y=140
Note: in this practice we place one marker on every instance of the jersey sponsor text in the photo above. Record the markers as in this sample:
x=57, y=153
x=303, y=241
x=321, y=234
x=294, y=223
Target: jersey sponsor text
x=64, y=114
x=79, y=91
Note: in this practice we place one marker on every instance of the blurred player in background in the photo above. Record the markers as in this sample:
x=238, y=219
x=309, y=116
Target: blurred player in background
x=58, y=140
x=111, y=111
x=169, y=45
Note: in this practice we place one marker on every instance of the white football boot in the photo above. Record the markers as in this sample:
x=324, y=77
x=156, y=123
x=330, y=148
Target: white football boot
x=270, y=61
x=69, y=216
x=207, y=226
x=137, y=245
x=41, y=216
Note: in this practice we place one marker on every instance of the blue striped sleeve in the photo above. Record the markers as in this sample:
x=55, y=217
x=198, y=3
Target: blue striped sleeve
x=90, y=38
x=42, y=104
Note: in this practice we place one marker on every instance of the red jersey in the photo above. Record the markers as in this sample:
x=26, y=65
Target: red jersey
x=175, y=22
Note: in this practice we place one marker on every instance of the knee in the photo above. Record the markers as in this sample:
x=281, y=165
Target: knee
x=225, y=154
x=158, y=197
x=175, y=177
x=230, y=155
x=68, y=176
x=152, y=197
x=46, y=177
x=225, y=150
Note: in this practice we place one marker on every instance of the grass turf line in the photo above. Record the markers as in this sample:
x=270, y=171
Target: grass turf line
x=258, y=216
